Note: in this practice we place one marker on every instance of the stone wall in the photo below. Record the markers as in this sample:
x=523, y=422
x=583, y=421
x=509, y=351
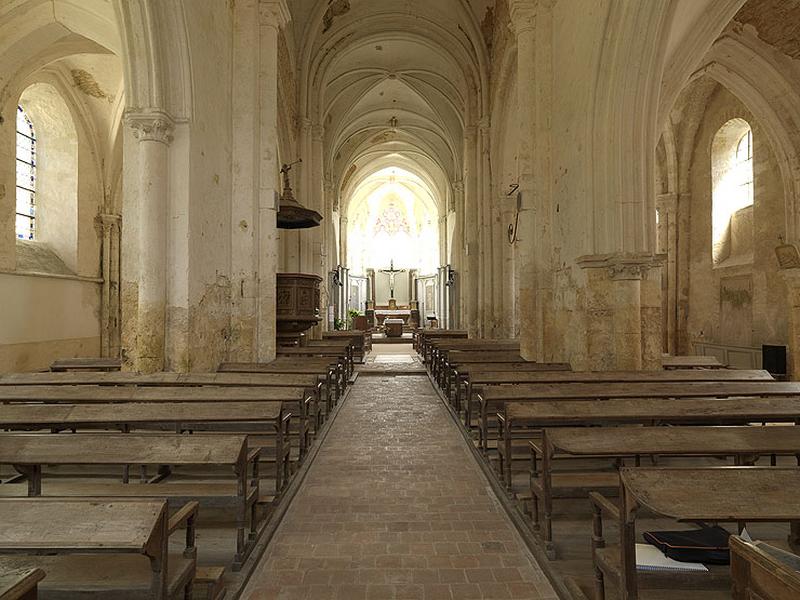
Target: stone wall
x=741, y=301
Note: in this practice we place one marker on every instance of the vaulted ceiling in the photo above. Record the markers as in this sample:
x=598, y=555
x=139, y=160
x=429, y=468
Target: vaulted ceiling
x=393, y=84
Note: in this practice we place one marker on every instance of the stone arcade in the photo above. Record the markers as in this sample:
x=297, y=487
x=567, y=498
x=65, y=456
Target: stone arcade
x=580, y=210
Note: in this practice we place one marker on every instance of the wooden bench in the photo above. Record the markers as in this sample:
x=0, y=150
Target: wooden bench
x=297, y=400
x=691, y=362
x=424, y=337
x=342, y=354
x=724, y=494
x=486, y=376
x=266, y=417
x=307, y=411
x=461, y=374
x=744, y=444
x=28, y=453
x=20, y=584
x=333, y=373
x=360, y=340
x=86, y=364
x=443, y=366
x=528, y=417
x=763, y=572
x=493, y=398
x=91, y=545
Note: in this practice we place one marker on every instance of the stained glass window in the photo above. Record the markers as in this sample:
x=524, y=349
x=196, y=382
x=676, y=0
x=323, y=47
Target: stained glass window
x=26, y=177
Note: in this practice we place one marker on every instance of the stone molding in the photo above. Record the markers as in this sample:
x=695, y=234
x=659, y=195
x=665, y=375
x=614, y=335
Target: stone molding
x=622, y=266
x=523, y=13
x=274, y=13
x=151, y=126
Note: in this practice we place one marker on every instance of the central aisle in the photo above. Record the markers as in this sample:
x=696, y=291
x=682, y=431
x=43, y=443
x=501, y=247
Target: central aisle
x=394, y=506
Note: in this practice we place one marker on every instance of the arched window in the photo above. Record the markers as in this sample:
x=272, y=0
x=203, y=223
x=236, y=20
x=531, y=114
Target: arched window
x=732, y=192
x=26, y=177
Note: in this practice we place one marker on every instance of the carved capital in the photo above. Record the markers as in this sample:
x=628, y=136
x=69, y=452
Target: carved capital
x=317, y=133
x=523, y=14
x=622, y=266
x=274, y=13
x=151, y=126
x=458, y=187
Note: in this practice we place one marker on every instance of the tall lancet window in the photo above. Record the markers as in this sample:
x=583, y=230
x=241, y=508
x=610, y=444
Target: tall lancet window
x=26, y=177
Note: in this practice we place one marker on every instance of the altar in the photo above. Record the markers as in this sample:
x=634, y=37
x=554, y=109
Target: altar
x=381, y=314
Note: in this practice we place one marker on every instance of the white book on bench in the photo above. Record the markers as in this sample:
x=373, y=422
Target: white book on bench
x=650, y=558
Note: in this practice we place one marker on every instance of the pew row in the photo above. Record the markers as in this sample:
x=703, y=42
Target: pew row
x=119, y=547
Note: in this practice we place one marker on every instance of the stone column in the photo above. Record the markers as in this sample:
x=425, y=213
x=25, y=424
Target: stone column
x=532, y=25
x=153, y=130
x=622, y=312
x=274, y=14
x=459, y=259
x=486, y=272
x=667, y=205
x=343, y=241
x=109, y=226
x=470, y=283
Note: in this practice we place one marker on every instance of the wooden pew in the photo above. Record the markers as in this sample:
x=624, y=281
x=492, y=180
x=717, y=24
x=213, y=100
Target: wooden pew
x=722, y=495
x=691, y=362
x=86, y=364
x=20, y=584
x=444, y=364
x=296, y=400
x=339, y=353
x=28, y=453
x=640, y=411
x=333, y=372
x=493, y=397
x=360, y=340
x=92, y=545
x=762, y=572
x=424, y=336
x=742, y=443
x=480, y=376
x=266, y=417
x=307, y=411
x=438, y=349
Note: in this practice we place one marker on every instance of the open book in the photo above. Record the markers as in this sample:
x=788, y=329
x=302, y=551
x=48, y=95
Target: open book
x=650, y=558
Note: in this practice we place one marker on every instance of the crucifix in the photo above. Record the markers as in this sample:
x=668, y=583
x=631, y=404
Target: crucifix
x=392, y=271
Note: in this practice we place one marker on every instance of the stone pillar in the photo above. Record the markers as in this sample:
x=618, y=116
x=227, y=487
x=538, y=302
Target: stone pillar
x=153, y=130
x=256, y=185
x=459, y=259
x=622, y=312
x=667, y=205
x=306, y=192
x=343, y=241
x=532, y=25
x=470, y=283
x=485, y=231
x=109, y=226
x=274, y=14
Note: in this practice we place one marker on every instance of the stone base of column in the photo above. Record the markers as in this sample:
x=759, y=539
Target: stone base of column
x=151, y=326
x=621, y=306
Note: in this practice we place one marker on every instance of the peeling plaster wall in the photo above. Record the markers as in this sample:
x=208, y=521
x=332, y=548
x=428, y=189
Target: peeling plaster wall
x=741, y=304
x=45, y=318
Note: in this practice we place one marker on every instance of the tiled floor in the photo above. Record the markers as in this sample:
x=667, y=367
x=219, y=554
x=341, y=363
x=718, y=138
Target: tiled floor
x=394, y=506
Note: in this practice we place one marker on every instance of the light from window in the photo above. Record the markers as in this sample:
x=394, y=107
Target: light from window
x=26, y=177
x=732, y=189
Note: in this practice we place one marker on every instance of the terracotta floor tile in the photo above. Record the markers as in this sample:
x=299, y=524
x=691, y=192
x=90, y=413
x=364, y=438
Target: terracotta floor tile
x=395, y=506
